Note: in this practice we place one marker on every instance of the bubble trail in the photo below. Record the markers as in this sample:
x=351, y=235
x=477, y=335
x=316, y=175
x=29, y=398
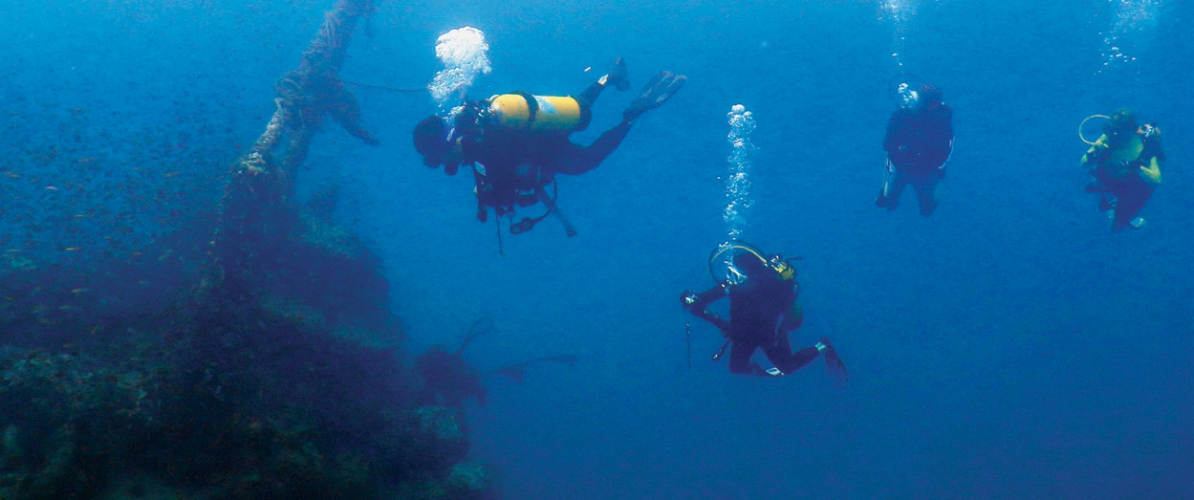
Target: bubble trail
x=1131, y=16
x=463, y=53
x=900, y=13
x=738, y=180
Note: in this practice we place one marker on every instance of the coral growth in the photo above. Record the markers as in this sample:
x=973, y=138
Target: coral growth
x=250, y=354
x=208, y=401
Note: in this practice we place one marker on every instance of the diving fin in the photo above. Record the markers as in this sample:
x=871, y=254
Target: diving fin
x=837, y=369
x=657, y=91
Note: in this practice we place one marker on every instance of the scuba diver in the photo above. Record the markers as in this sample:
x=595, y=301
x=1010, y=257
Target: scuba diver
x=517, y=142
x=764, y=309
x=919, y=141
x=1125, y=162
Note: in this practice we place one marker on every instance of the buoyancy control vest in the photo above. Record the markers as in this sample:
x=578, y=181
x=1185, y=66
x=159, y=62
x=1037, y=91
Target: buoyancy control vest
x=1136, y=152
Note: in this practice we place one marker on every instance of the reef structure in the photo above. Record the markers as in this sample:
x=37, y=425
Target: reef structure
x=277, y=373
x=258, y=208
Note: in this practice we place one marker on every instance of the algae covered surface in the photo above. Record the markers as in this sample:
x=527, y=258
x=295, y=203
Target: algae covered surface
x=209, y=339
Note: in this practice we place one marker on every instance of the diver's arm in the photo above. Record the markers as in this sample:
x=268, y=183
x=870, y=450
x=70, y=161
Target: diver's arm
x=792, y=319
x=949, y=132
x=949, y=154
x=1152, y=172
x=479, y=182
x=894, y=137
x=941, y=157
x=1098, y=145
x=949, y=122
x=698, y=305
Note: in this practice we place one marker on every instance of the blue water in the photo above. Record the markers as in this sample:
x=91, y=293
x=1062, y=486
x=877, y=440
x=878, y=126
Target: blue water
x=1008, y=346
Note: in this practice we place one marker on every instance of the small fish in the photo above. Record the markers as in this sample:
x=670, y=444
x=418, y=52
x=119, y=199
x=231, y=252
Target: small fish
x=51, y=188
x=71, y=249
x=80, y=290
x=10, y=174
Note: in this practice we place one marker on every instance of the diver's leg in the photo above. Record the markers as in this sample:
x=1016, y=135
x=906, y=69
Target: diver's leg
x=1103, y=186
x=926, y=193
x=885, y=189
x=590, y=95
x=893, y=188
x=780, y=354
x=740, y=364
x=585, y=101
x=617, y=77
x=574, y=159
x=1128, y=205
x=482, y=210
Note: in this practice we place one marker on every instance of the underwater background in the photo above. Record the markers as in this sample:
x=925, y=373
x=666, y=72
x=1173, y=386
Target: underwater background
x=1008, y=346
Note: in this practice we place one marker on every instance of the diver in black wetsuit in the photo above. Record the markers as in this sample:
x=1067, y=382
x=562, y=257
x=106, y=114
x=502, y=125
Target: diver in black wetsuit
x=919, y=141
x=517, y=142
x=764, y=309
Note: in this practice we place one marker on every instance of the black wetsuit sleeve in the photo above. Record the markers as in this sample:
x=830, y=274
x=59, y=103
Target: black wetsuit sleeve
x=941, y=138
x=897, y=132
x=698, y=305
x=1152, y=147
x=949, y=122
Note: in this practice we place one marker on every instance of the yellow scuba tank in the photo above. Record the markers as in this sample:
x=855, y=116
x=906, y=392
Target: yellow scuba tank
x=522, y=111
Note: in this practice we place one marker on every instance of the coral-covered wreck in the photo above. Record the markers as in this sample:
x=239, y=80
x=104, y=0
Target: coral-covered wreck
x=260, y=362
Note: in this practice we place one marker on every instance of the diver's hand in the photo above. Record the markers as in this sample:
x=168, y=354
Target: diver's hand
x=1151, y=174
x=1096, y=150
